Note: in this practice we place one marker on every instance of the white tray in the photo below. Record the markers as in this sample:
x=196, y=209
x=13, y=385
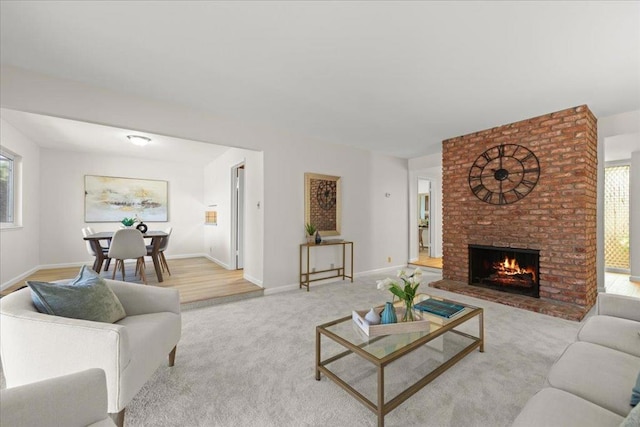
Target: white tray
x=420, y=324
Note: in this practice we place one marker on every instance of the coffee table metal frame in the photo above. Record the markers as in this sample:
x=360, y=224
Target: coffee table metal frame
x=381, y=408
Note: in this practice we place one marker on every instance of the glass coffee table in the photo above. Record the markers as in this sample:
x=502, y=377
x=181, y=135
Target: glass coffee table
x=422, y=356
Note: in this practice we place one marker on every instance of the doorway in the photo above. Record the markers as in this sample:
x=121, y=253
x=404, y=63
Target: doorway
x=424, y=207
x=425, y=229
x=237, y=216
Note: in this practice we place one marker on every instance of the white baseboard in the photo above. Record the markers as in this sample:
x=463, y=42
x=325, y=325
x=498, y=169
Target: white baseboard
x=291, y=287
x=393, y=269
x=24, y=275
x=65, y=265
x=253, y=280
x=217, y=261
x=635, y=279
x=182, y=256
x=278, y=289
x=296, y=286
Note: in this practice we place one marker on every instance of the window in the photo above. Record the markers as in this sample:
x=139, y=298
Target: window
x=9, y=164
x=616, y=218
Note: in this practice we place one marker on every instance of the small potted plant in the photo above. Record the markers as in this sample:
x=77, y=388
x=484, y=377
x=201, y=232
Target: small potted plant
x=128, y=222
x=311, y=231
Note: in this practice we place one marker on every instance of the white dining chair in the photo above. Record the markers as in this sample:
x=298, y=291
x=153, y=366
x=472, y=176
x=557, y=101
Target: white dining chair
x=86, y=232
x=128, y=243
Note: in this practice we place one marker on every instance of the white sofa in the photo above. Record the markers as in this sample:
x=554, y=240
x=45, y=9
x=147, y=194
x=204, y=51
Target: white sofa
x=36, y=346
x=74, y=400
x=591, y=383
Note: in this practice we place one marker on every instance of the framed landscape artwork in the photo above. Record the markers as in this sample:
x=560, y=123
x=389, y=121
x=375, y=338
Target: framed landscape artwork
x=322, y=203
x=110, y=199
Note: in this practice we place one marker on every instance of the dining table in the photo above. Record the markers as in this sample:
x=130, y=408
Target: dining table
x=156, y=243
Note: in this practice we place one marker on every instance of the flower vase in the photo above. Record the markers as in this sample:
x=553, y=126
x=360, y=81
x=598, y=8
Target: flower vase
x=372, y=317
x=408, y=313
x=389, y=314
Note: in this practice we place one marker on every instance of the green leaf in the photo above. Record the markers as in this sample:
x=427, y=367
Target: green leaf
x=397, y=291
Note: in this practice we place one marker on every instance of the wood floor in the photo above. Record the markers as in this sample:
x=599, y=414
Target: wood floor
x=197, y=279
x=620, y=284
x=426, y=261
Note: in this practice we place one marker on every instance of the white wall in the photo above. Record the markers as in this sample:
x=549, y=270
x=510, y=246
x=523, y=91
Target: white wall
x=217, y=191
x=377, y=224
x=19, y=246
x=62, y=193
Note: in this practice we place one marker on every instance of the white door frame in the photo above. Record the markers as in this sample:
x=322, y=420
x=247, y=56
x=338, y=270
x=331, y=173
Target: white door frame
x=237, y=238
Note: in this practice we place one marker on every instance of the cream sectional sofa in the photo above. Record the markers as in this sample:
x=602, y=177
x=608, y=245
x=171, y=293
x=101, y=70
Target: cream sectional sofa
x=73, y=400
x=591, y=383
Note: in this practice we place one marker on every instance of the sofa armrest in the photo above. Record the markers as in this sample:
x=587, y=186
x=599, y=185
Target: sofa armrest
x=78, y=399
x=619, y=306
x=70, y=345
x=144, y=299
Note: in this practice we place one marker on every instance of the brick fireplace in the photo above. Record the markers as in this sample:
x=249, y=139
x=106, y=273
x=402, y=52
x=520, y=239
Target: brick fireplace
x=557, y=217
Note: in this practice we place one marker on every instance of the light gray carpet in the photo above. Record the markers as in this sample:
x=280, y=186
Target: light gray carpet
x=251, y=363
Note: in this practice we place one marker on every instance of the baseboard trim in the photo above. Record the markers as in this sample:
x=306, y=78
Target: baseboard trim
x=291, y=287
x=217, y=261
x=393, y=269
x=182, y=256
x=253, y=280
x=16, y=279
x=296, y=286
x=65, y=265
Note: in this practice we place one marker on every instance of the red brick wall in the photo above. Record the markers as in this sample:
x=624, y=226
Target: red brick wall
x=558, y=216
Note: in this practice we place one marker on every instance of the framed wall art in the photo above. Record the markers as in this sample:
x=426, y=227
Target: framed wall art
x=322, y=204
x=109, y=199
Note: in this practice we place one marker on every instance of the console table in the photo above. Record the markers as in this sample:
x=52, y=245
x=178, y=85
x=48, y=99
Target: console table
x=305, y=276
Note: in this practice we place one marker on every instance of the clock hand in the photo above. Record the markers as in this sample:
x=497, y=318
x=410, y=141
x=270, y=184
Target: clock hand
x=522, y=172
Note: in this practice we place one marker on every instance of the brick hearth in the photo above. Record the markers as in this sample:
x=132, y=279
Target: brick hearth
x=544, y=306
x=558, y=217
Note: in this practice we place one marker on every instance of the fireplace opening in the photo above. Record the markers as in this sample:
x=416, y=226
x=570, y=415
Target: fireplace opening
x=505, y=269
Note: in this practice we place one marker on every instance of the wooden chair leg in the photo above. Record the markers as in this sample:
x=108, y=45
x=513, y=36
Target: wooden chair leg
x=118, y=418
x=106, y=266
x=172, y=356
x=115, y=268
x=122, y=268
x=140, y=262
x=137, y=272
x=164, y=262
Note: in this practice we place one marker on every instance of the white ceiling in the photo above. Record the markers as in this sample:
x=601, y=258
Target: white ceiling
x=395, y=77
x=72, y=135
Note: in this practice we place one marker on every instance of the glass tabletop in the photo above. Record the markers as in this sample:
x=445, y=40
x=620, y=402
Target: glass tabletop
x=385, y=345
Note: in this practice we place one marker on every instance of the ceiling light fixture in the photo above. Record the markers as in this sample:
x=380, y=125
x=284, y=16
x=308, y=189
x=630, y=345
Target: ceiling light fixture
x=139, y=140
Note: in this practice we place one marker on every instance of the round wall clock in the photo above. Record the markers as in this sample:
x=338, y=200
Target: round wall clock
x=326, y=194
x=504, y=174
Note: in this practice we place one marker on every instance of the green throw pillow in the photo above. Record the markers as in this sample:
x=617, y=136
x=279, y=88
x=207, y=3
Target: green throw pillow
x=87, y=297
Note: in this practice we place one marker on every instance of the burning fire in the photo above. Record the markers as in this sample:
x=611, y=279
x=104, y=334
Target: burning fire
x=510, y=267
